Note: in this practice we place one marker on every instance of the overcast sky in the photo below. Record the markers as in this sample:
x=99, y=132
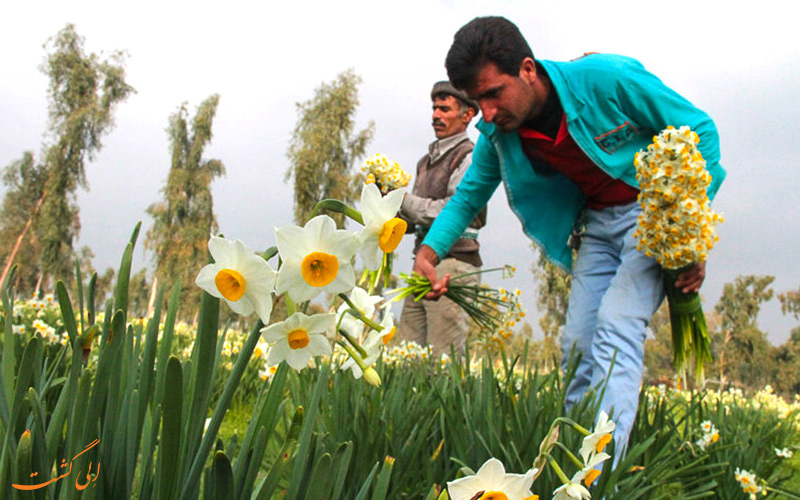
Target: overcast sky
x=741, y=65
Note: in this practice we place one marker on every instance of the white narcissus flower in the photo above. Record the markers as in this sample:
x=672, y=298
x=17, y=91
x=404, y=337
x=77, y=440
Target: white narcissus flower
x=597, y=440
x=298, y=339
x=495, y=484
x=316, y=258
x=747, y=480
x=365, y=303
x=590, y=471
x=241, y=278
x=382, y=231
x=573, y=490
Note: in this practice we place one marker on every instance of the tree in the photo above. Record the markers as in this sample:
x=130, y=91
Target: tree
x=183, y=220
x=552, y=299
x=324, y=147
x=24, y=180
x=83, y=94
x=742, y=348
x=786, y=369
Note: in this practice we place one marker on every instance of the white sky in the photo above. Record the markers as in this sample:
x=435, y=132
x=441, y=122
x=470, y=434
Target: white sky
x=739, y=64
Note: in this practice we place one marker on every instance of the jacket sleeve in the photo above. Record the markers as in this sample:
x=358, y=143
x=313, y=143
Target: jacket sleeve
x=473, y=192
x=654, y=106
x=423, y=211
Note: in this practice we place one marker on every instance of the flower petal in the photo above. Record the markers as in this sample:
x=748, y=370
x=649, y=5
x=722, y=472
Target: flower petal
x=205, y=280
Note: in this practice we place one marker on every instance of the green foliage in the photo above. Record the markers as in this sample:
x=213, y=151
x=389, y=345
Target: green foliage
x=741, y=349
x=320, y=433
x=184, y=218
x=24, y=180
x=324, y=147
x=787, y=357
x=114, y=386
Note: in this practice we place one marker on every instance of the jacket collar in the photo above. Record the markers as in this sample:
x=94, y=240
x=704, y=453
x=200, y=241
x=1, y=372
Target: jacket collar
x=571, y=103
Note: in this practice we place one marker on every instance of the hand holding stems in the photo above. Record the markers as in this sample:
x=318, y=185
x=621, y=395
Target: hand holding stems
x=425, y=265
x=692, y=279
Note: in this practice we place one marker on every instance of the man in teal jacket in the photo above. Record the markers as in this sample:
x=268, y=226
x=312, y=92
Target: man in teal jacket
x=561, y=137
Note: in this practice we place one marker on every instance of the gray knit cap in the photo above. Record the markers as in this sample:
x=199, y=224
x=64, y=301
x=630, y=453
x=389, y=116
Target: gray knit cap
x=445, y=87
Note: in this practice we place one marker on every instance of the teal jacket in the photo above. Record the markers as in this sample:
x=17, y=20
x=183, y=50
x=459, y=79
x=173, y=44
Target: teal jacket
x=613, y=109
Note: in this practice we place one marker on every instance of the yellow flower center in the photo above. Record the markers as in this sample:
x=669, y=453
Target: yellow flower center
x=389, y=336
x=298, y=339
x=319, y=268
x=601, y=444
x=493, y=495
x=391, y=234
x=591, y=476
x=230, y=284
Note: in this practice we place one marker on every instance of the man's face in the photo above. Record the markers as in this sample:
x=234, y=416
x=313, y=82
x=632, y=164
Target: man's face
x=448, y=119
x=506, y=100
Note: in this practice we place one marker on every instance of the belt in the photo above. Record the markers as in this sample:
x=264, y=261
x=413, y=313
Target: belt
x=469, y=233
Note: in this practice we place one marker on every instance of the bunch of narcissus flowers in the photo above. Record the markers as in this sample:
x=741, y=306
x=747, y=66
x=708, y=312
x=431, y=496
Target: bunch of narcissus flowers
x=492, y=483
x=492, y=309
x=676, y=226
x=315, y=258
x=710, y=434
x=386, y=174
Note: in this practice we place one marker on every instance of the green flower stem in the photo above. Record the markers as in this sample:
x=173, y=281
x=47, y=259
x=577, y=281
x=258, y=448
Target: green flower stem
x=355, y=311
x=482, y=271
x=583, y=430
x=575, y=460
x=787, y=494
x=688, y=325
x=353, y=354
x=560, y=473
x=353, y=342
x=334, y=205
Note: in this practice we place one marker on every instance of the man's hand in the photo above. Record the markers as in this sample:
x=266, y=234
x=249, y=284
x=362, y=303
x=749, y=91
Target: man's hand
x=425, y=265
x=691, y=279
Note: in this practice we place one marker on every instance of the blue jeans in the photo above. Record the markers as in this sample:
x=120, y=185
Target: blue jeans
x=615, y=291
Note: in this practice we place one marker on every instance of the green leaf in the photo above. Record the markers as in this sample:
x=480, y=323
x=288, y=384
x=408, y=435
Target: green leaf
x=382, y=485
x=169, y=449
x=223, y=477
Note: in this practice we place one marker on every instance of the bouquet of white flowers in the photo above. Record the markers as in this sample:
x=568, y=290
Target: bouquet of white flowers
x=677, y=228
x=387, y=175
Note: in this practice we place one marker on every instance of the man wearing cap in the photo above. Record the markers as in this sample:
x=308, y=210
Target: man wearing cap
x=442, y=323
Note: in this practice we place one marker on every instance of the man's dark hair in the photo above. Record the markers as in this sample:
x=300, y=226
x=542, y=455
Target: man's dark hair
x=483, y=40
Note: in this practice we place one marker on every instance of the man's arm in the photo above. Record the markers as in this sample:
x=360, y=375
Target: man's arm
x=472, y=194
x=653, y=105
x=419, y=210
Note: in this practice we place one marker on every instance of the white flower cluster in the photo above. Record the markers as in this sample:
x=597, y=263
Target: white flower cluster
x=48, y=333
x=387, y=175
x=710, y=434
x=676, y=225
x=407, y=351
x=747, y=480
